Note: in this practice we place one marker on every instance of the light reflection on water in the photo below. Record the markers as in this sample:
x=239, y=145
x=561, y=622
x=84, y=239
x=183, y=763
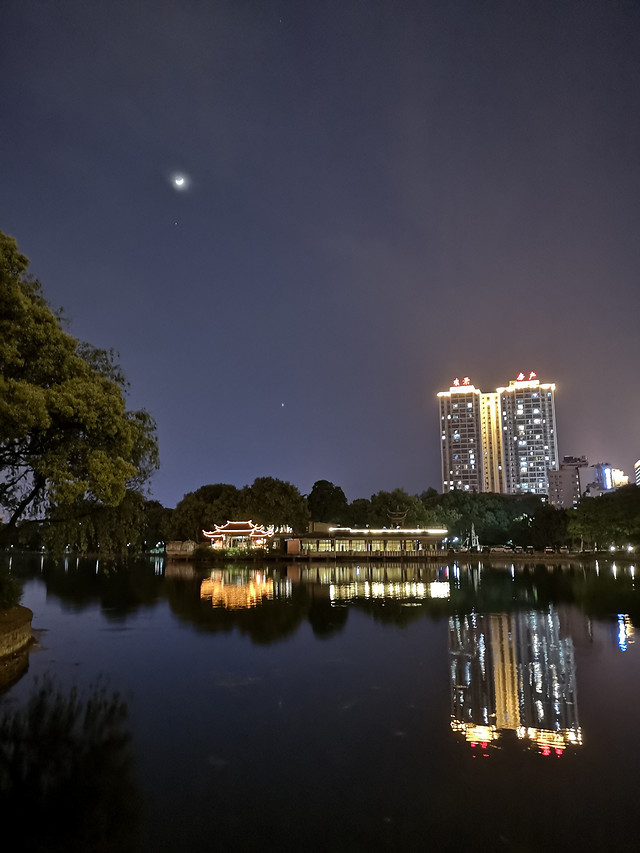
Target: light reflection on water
x=370, y=689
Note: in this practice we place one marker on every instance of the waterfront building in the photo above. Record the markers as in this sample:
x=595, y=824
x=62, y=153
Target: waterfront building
x=328, y=540
x=503, y=441
x=238, y=534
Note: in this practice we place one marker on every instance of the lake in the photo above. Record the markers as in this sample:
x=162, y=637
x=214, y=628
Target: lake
x=457, y=707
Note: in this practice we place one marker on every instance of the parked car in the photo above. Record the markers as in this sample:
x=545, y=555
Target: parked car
x=564, y=549
x=549, y=550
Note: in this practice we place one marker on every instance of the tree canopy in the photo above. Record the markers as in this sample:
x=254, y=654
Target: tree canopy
x=327, y=503
x=266, y=501
x=612, y=519
x=66, y=434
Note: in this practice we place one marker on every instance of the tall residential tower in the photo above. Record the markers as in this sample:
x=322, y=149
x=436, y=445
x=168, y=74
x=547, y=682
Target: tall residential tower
x=502, y=441
x=461, y=437
x=528, y=414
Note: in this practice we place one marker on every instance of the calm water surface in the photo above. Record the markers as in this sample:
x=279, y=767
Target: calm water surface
x=450, y=708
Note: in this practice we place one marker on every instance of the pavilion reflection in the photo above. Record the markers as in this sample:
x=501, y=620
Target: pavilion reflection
x=234, y=591
x=513, y=672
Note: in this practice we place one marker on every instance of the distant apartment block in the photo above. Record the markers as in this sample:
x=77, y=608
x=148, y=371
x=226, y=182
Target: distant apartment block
x=601, y=478
x=564, y=484
x=636, y=469
x=502, y=441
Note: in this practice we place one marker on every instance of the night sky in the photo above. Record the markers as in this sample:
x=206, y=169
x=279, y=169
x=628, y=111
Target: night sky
x=378, y=197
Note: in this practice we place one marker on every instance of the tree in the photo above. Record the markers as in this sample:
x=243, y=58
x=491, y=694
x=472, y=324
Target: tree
x=215, y=503
x=277, y=502
x=87, y=527
x=385, y=504
x=359, y=513
x=611, y=519
x=66, y=435
x=549, y=527
x=327, y=503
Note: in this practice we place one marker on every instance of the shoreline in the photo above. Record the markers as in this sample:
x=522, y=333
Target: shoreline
x=16, y=637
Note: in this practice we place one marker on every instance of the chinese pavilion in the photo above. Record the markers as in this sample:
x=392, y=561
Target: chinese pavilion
x=238, y=534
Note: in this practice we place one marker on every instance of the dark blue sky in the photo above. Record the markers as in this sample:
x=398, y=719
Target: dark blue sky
x=383, y=196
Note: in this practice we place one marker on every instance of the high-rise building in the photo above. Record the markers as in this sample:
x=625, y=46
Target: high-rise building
x=636, y=468
x=504, y=441
x=529, y=443
x=461, y=437
x=491, y=427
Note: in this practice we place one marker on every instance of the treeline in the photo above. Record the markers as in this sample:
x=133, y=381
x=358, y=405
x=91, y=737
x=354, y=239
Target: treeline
x=74, y=456
x=139, y=524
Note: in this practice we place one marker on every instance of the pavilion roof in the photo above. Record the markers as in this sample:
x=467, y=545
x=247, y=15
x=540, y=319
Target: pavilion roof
x=237, y=528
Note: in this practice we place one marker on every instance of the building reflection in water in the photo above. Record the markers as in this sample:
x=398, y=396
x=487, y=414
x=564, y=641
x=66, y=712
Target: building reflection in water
x=233, y=590
x=513, y=672
x=406, y=583
x=625, y=631
x=225, y=590
x=389, y=589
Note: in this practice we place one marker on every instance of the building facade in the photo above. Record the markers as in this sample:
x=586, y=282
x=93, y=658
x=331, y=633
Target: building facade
x=529, y=443
x=564, y=484
x=601, y=478
x=503, y=441
x=461, y=437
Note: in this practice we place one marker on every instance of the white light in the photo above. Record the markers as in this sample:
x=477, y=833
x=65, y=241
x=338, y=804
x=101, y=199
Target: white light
x=180, y=181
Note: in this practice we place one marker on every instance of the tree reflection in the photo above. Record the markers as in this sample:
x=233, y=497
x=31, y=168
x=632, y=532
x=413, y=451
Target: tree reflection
x=65, y=772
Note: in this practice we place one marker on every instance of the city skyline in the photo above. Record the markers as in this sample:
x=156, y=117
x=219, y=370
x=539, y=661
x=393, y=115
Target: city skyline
x=500, y=441
x=295, y=221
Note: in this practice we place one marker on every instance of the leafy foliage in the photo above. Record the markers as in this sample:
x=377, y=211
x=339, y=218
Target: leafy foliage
x=267, y=501
x=66, y=435
x=212, y=504
x=277, y=502
x=327, y=503
x=10, y=590
x=385, y=504
x=609, y=520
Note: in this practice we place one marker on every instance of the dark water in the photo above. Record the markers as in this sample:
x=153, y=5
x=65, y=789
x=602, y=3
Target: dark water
x=322, y=708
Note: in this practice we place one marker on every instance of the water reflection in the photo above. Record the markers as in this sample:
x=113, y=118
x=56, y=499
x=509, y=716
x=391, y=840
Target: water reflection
x=236, y=590
x=66, y=772
x=625, y=631
x=367, y=685
x=514, y=672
